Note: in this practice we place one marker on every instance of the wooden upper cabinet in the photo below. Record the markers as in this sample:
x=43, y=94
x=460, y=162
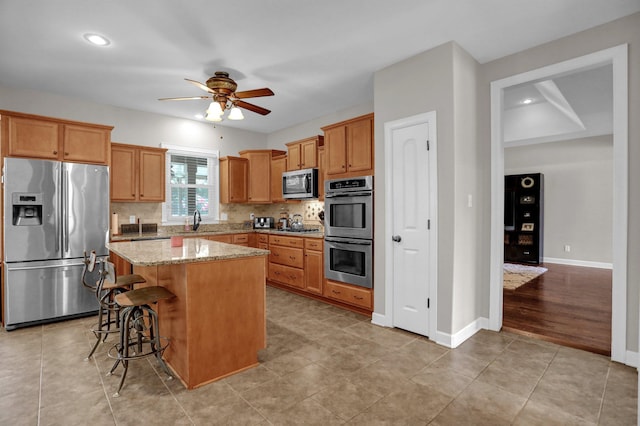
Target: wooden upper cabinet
x=321, y=172
x=85, y=144
x=137, y=173
x=278, y=166
x=33, y=136
x=152, y=175
x=123, y=173
x=259, y=176
x=233, y=180
x=349, y=148
x=303, y=154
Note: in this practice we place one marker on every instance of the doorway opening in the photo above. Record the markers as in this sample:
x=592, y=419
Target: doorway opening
x=617, y=58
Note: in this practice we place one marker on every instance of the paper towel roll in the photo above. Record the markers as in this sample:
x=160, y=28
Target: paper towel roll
x=114, y=224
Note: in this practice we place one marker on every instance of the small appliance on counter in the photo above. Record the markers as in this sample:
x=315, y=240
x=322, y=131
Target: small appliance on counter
x=263, y=222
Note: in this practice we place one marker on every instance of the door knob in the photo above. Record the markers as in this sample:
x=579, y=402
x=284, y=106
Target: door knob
x=396, y=238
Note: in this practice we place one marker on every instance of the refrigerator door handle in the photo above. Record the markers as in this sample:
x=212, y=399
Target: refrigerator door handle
x=64, y=210
x=59, y=227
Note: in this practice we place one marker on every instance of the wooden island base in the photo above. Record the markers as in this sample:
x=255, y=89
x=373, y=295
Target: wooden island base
x=216, y=323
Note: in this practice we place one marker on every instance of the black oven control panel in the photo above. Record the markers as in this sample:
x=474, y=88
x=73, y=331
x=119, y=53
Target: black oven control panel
x=364, y=183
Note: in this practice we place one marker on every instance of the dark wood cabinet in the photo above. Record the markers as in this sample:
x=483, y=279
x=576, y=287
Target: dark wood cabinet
x=523, y=218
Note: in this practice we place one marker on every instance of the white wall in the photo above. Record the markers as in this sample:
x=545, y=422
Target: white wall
x=578, y=194
x=467, y=243
x=133, y=127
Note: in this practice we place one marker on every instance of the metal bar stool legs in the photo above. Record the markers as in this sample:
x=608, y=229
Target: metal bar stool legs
x=139, y=337
x=106, y=287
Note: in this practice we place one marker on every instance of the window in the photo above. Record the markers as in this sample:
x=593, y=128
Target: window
x=192, y=183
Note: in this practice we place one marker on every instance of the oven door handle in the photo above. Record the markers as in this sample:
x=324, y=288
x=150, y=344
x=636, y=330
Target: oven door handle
x=343, y=241
x=349, y=194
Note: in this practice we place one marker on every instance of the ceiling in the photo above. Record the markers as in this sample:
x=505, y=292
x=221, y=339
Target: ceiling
x=568, y=106
x=318, y=57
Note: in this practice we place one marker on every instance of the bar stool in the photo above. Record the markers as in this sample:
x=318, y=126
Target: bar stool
x=139, y=335
x=105, y=291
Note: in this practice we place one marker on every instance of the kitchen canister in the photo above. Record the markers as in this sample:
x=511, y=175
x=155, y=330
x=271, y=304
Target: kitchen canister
x=176, y=241
x=114, y=224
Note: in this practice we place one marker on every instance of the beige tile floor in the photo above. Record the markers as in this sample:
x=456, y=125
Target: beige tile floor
x=322, y=366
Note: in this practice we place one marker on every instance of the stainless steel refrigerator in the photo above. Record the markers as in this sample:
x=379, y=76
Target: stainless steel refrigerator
x=53, y=213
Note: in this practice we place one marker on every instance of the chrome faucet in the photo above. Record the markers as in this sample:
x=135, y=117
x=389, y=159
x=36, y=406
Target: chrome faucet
x=196, y=220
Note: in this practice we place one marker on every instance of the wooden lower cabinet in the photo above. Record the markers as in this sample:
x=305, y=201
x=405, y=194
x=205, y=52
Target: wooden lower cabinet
x=286, y=261
x=313, y=265
x=353, y=295
x=220, y=238
x=286, y=275
x=122, y=266
x=297, y=264
x=263, y=241
x=238, y=239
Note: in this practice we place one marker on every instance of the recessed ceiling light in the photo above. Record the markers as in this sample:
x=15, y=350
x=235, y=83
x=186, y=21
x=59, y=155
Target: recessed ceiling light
x=527, y=101
x=97, y=39
x=199, y=116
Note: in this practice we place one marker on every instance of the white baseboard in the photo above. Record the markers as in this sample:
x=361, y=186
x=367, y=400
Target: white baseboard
x=455, y=340
x=381, y=320
x=575, y=262
x=631, y=359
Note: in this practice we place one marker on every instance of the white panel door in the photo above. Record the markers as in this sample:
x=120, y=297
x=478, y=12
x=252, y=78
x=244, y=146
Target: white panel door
x=410, y=199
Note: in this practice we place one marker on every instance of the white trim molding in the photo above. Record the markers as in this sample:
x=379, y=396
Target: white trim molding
x=456, y=339
x=618, y=57
x=575, y=262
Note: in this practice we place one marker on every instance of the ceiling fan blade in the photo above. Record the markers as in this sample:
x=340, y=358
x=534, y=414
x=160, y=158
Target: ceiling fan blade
x=256, y=93
x=200, y=85
x=251, y=107
x=185, y=98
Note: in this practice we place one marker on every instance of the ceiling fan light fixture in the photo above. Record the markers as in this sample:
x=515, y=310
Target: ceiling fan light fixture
x=214, y=109
x=213, y=117
x=235, y=114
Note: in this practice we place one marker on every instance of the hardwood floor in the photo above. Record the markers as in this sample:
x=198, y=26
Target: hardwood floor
x=567, y=305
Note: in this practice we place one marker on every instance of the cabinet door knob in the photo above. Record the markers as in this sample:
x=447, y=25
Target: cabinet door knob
x=55, y=152
x=396, y=238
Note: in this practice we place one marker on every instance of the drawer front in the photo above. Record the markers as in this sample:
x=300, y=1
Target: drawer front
x=240, y=238
x=220, y=238
x=313, y=244
x=348, y=294
x=286, y=256
x=286, y=275
x=286, y=241
x=263, y=246
x=263, y=238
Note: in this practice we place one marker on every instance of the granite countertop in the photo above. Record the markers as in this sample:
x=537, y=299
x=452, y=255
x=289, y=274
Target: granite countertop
x=160, y=252
x=163, y=234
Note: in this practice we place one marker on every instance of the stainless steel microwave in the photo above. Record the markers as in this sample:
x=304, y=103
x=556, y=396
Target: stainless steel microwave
x=299, y=184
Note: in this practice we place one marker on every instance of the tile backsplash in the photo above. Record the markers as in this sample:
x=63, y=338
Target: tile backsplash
x=236, y=213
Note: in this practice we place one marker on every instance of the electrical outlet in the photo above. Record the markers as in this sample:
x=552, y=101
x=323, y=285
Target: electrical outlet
x=567, y=248
x=223, y=216
x=132, y=219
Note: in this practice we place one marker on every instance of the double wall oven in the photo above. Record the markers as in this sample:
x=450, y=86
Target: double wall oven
x=348, y=241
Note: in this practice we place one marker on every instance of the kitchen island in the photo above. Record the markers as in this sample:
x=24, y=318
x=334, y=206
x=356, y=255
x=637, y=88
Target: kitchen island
x=216, y=322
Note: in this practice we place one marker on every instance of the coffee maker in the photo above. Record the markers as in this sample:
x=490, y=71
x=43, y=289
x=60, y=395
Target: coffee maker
x=263, y=222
